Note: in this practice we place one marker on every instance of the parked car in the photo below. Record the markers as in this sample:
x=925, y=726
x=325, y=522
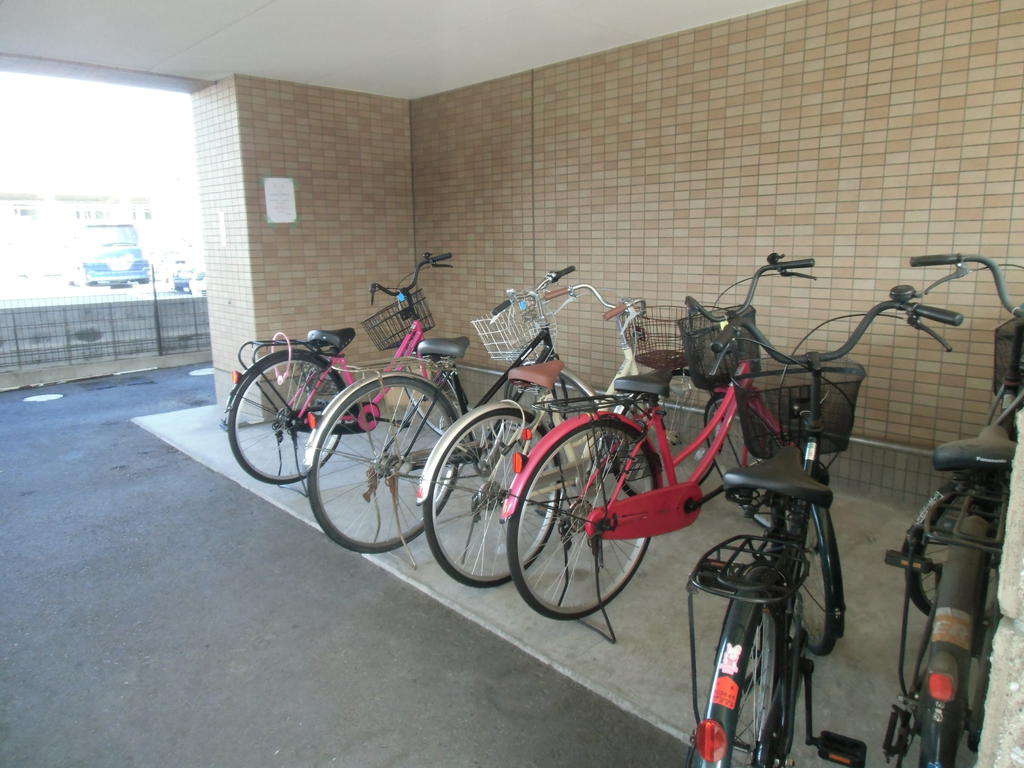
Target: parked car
x=197, y=284
x=109, y=254
x=184, y=273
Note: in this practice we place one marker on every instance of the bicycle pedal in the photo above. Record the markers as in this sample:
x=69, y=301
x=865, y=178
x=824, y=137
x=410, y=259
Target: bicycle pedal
x=900, y=560
x=836, y=748
x=897, y=735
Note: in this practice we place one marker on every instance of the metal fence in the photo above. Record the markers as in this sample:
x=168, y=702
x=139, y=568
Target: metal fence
x=94, y=324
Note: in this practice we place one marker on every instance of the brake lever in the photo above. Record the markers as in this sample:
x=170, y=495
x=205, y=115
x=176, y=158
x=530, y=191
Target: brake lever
x=373, y=292
x=915, y=322
x=961, y=271
x=787, y=273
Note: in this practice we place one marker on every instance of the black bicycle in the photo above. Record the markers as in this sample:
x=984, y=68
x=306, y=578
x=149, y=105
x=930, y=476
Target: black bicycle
x=783, y=586
x=950, y=556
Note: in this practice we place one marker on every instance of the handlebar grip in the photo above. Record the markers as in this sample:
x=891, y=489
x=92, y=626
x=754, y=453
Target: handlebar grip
x=440, y=257
x=798, y=264
x=695, y=307
x=556, y=276
x=615, y=311
x=501, y=307
x=935, y=260
x=938, y=314
x=557, y=293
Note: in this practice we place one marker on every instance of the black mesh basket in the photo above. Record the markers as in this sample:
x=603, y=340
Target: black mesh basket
x=1003, y=352
x=656, y=338
x=698, y=332
x=773, y=400
x=389, y=326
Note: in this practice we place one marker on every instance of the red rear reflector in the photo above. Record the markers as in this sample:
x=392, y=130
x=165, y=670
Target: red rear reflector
x=518, y=462
x=311, y=420
x=711, y=741
x=235, y=376
x=527, y=434
x=941, y=687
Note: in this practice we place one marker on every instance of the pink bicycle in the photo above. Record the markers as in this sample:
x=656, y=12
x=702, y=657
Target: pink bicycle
x=597, y=487
x=275, y=400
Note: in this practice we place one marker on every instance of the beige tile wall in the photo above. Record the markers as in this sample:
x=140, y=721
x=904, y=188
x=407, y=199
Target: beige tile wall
x=859, y=134
x=349, y=156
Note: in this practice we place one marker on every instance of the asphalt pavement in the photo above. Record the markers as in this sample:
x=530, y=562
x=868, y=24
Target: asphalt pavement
x=154, y=613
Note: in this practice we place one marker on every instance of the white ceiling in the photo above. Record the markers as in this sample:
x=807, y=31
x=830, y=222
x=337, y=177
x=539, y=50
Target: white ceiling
x=403, y=48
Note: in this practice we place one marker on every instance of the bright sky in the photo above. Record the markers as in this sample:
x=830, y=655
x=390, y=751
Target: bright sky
x=78, y=137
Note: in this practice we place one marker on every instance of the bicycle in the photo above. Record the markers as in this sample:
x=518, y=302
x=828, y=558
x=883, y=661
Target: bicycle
x=599, y=486
x=950, y=557
x=783, y=586
x=363, y=476
x=273, y=397
x=468, y=474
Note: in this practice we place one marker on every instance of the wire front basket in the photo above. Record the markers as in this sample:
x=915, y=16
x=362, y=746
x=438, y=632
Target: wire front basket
x=698, y=333
x=390, y=325
x=773, y=400
x=656, y=338
x=508, y=333
x=1004, y=351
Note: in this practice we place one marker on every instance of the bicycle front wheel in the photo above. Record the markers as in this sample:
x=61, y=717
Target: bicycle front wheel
x=559, y=570
x=266, y=420
x=745, y=723
x=367, y=457
x=470, y=482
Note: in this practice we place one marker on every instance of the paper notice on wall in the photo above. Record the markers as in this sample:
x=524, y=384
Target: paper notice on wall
x=280, y=196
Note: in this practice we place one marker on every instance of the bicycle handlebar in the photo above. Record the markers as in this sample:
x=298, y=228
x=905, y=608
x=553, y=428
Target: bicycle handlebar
x=900, y=301
x=775, y=264
x=958, y=259
x=428, y=260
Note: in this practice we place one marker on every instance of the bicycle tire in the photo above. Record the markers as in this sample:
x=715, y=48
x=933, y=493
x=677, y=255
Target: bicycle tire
x=462, y=508
x=952, y=642
x=748, y=695
x=823, y=615
x=550, y=555
x=363, y=489
x=265, y=416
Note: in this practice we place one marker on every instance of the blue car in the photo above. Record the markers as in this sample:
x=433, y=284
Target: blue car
x=112, y=256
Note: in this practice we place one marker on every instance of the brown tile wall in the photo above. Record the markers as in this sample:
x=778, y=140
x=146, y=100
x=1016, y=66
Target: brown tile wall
x=349, y=155
x=859, y=134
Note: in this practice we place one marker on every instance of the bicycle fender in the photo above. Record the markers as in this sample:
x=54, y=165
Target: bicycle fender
x=518, y=484
x=453, y=433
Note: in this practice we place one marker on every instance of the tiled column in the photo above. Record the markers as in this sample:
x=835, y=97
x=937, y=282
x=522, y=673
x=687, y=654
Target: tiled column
x=348, y=155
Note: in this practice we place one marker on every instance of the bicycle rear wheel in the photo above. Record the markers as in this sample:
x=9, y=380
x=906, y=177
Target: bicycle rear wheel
x=462, y=508
x=745, y=722
x=367, y=456
x=559, y=570
x=266, y=418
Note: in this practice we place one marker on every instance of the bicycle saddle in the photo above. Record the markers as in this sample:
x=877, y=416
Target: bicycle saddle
x=338, y=339
x=991, y=449
x=544, y=374
x=455, y=347
x=653, y=383
x=783, y=473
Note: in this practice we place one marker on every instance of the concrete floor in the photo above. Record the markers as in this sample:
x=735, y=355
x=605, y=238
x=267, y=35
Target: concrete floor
x=647, y=671
x=156, y=612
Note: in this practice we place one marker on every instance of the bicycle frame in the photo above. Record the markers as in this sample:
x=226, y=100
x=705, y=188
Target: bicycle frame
x=674, y=504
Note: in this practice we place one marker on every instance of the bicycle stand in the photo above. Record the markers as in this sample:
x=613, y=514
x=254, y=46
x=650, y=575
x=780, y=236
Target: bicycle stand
x=833, y=747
